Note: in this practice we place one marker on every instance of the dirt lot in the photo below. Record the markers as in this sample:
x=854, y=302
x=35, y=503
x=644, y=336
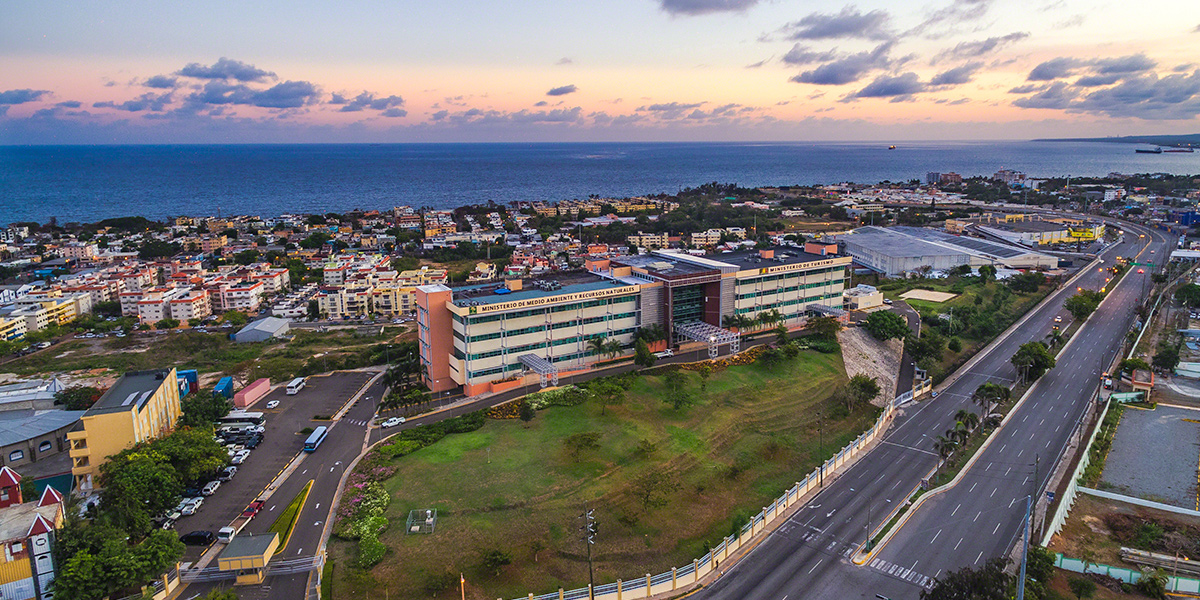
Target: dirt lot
x=881, y=360
x=1154, y=456
x=1101, y=527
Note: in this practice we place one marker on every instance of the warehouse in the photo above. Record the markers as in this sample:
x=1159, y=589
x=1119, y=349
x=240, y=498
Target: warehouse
x=899, y=251
x=485, y=337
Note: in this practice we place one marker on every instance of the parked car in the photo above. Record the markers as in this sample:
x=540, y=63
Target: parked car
x=240, y=457
x=227, y=473
x=392, y=422
x=198, y=538
x=273, y=404
x=253, y=443
x=211, y=488
x=189, y=510
x=253, y=509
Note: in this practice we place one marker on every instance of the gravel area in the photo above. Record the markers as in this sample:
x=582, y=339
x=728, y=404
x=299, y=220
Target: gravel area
x=1154, y=456
x=865, y=354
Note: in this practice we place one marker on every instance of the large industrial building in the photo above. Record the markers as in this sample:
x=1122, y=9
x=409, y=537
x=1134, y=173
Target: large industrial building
x=898, y=251
x=1030, y=230
x=489, y=337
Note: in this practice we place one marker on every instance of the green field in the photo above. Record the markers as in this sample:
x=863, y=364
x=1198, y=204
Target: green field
x=514, y=487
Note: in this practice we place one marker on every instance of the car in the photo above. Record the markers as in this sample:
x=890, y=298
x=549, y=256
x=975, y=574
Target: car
x=195, y=501
x=665, y=353
x=210, y=488
x=227, y=473
x=238, y=459
x=189, y=510
x=169, y=522
x=887, y=301
x=253, y=508
x=253, y=443
x=198, y=538
x=1058, y=319
x=1140, y=271
x=392, y=422
x=1151, y=252
x=273, y=404
x=179, y=507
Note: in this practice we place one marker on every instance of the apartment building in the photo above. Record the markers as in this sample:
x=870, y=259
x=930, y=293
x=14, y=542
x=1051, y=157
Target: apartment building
x=27, y=530
x=649, y=240
x=482, y=337
x=140, y=406
x=712, y=237
x=78, y=251
x=12, y=328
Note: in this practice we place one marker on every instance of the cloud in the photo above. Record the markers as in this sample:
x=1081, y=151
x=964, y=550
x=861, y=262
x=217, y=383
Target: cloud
x=847, y=69
x=439, y=115
x=1146, y=97
x=847, y=24
x=956, y=76
x=145, y=102
x=289, y=94
x=1072, y=21
x=1056, y=96
x=562, y=90
x=1134, y=63
x=703, y=7
x=757, y=64
x=366, y=100
x=394, y=112
x=802, y=55
x=161, y=82
x=1026, y=89
x=1097, y=80
x=565, y=61
x=226, y=68
x=959, y=11
x=69, y=104
x=541, y=103
x=21, y=96
x=670, y=110
x=886, y=86
x=980, y=47
x=1055, y=68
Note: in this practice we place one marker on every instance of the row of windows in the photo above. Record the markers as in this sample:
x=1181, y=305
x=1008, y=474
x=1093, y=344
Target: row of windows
x=478, y=320
x=483, y=337
x=792, y=302
x=518, y=366
x=788, y=276
x=785, y=290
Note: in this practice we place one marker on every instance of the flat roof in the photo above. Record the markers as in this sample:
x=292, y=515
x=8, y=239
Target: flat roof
x=560, y=285
x=132, y=389
x=667, y=264
x=786, y=255
x=248, y=546
x=894, y=244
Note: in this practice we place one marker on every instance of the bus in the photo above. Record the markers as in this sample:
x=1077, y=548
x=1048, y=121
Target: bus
x=314, y=440
x=295, y=386
x=241, y=416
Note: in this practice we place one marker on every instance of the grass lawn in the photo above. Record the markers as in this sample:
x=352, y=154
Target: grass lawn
x=514, y=487
x=287, y=519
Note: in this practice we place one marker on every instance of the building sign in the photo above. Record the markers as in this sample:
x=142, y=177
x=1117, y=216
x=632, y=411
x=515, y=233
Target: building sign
x=545, y=301
x=1083, y=233
x=804, y=266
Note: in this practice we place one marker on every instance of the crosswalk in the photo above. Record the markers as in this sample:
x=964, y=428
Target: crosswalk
x=834, y=546
x=359, y=422
x=901, y=573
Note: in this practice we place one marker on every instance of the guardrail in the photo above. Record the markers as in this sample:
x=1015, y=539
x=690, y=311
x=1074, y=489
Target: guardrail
x=751, y=532
x=1068, y=499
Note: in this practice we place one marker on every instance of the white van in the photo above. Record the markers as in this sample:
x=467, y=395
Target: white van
x=225, y=534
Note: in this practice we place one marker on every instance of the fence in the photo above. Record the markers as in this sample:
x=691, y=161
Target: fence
x=691, y=574
x=1068, y=499
x=1185, y=585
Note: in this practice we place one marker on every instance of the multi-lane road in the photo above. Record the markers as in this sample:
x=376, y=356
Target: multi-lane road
x=810, y=555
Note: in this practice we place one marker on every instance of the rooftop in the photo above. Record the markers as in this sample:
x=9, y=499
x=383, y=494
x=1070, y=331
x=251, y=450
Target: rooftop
x=16, y=520
x=558, y=285
x=20, y=425
x=249, y=546
x=750, y=259
x=132, y=389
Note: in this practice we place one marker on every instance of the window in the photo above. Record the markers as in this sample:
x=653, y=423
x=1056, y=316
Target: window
x=16, y=455
x=45, y=446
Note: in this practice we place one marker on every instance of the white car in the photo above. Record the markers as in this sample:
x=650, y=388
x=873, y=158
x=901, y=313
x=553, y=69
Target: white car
x=392, y=422
x=189, y=510
x=273, y=404
x=240, y=457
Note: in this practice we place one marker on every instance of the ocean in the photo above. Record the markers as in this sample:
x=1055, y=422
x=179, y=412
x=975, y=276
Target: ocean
x=89, y=183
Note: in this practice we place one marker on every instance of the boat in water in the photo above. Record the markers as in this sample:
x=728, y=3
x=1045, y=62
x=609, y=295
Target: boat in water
x=891, y=147
x=1178, y=150
x=1155, y=150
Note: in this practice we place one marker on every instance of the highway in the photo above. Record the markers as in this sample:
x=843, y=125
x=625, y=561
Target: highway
x=809, y=555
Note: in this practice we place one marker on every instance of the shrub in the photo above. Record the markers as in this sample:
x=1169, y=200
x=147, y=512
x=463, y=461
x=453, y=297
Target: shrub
x=370, y=551
x=569, y=395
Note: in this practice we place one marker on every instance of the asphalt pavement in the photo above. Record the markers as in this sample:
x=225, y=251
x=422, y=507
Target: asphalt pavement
x=809, y=556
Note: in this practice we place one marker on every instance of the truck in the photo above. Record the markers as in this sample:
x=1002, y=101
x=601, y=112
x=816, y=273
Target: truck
x=252, y=393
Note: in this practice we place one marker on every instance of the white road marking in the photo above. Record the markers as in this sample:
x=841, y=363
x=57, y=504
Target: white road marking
x=993, y=493
x=978, y=557
x=814, y=567
x=935, y=536
x=977, y=516
x=972, y=487
x=956, y=509
x=298, y=551
x=996, y=529
x=955, y=547
x=318, y=505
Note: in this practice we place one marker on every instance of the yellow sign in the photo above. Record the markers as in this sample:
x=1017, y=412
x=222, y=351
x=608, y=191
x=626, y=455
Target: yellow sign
x=803, y=266
x=1082, y=233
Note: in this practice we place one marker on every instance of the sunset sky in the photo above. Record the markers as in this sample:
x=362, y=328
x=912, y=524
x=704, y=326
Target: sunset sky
x=142, y=71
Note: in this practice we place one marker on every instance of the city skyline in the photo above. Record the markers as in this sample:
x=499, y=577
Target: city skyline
x=633, y=70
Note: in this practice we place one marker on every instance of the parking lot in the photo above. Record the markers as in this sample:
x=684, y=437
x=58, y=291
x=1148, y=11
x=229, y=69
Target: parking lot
x=322, y=396
x=1154, y=456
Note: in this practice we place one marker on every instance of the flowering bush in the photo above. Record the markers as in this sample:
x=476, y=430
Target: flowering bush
x=742, y=358
x=510, y=410
x=569, y=395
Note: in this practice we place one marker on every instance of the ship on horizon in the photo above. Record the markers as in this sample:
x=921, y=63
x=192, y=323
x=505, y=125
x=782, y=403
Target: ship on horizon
x=1155, y=150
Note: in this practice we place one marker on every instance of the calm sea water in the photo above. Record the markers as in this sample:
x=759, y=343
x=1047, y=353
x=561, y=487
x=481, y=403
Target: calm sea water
x=88, y=183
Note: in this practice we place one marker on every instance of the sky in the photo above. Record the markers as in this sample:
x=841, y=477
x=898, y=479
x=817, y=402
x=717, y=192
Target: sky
x=274, y=71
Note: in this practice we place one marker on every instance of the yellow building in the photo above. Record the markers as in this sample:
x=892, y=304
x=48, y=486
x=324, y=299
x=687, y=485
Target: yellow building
x=248, y=556
x=12, y=328
x=140, y=406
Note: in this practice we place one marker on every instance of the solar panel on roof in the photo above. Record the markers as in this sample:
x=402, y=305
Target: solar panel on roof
x=129, y=399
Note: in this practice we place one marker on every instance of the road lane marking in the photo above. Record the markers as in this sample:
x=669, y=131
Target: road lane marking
x=955, y=547
x=814, y=568
x=298, y=551
x=993, y=493
x=318, y=505
x=1003, y=447
x=977, y=516
x=935, y=536
x=978, y=557
x=956, y=509
x=972, y=487
x=996, y=529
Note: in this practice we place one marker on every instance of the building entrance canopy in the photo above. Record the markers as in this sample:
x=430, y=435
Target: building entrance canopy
x=710, y=334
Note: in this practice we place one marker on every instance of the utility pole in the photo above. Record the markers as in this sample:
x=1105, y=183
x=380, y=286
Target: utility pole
x=589, y=538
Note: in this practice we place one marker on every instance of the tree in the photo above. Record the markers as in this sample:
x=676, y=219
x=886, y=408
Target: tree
x=246, y=257
x=202, y=410
x=652, y=486
x=527, y=412
x=314, y=310
x=598, y=345
x=1034, y=358
x=955, y=345
x=494, y=560
x=642, y=356
x=607, y=392
x=166, y=324
x=884, y=325
x=1188, y=295
x=107, y=309
x=1153, y=583
x=1083, y=304
x=944, y=446
x=705, y=371
x=78, y=397
x=1130, y=365
x=578, y=443
x=824, y=327
x=988, y=582
x=613, y=349
x=236, y=318
x=1167, y=357
x=928, y=348
x=990, y=393
x=1026, y=282
x=1081, y=587
x=987, y=273
x=968, y=418
x=781, y=335
x=677, y=394
x=861, y=390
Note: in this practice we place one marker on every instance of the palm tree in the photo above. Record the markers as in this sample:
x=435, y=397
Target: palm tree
x=961, y=432
x=968, y=418
x=598, y=345
x=944, y=446
x=738, y=322
x=990, y=393
x=612, y=349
